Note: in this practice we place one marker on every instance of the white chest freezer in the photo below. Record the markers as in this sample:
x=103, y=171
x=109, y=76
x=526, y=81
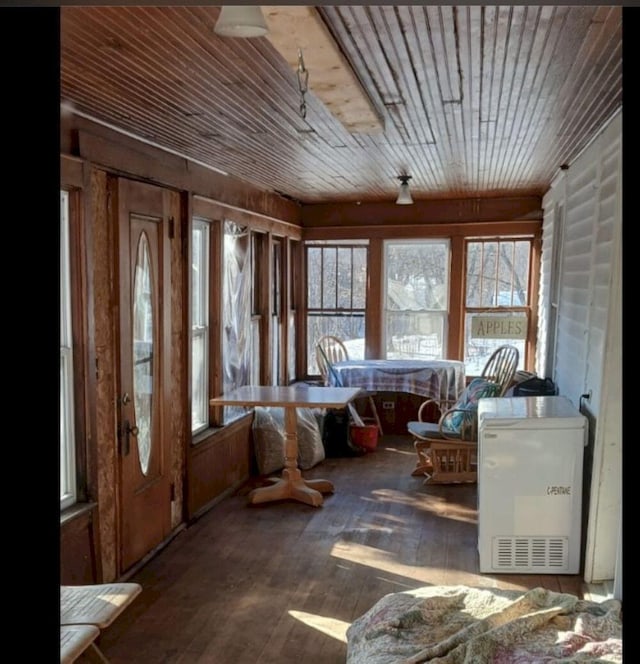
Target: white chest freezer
x=530, y=455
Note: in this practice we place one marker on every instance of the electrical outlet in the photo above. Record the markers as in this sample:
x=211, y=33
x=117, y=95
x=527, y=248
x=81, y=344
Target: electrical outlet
x=388, y=405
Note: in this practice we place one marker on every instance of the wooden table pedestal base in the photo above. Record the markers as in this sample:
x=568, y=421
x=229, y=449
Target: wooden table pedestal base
x=292, y=486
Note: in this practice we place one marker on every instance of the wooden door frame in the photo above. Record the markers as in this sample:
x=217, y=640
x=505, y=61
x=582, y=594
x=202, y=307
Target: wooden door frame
x=164, y=337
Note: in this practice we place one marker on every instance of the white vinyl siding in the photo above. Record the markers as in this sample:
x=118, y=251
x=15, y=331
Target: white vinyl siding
x=604, y=232
x=588, y=354
x=575, y=288
x=590, y=194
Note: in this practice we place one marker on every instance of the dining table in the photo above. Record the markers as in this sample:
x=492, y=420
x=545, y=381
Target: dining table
x=291, y=485
x=435, y=379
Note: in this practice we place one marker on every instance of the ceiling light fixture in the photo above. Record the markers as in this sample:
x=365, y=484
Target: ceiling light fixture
x=241, y=21
x=404, y=195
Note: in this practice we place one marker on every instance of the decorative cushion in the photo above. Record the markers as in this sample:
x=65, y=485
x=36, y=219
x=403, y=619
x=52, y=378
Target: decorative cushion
x=478, y=388
x=424, y=429
x=269, y=443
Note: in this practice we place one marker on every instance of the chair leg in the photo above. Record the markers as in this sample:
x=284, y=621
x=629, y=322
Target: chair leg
x=372, y=403
x=424, y=465
x=94, y=654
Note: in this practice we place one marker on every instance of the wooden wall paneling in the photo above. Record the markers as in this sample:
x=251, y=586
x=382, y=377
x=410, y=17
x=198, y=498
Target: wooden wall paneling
x=497, y=227
x=102, y=208
x=423, y=212
x=286, y=305
x=405, y=408
x=179, y=420
x=262, y=265
x=133, y=158
x=281, y=370
x=373, y=316
x=299, y=289
x=79, y=555
x=71, y=172
x=90, y=374
x=218, y=465
x=457, y=279
x=211, y=209
x=284, y=310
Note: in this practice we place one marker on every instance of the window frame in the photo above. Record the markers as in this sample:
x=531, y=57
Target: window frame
x=83, y=379
x=202, y=328
x=322, y=310
x=528, y=308
x=67, y=405
x=442, y=314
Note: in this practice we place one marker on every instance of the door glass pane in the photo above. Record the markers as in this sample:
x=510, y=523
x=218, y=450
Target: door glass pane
x=143, y=351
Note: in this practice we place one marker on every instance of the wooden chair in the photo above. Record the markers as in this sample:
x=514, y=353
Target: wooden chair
x=446, y=449
x=330, y=350
x=501, y=367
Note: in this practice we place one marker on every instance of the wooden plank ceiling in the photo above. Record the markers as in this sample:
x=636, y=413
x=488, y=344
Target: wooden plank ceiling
x=473, y=101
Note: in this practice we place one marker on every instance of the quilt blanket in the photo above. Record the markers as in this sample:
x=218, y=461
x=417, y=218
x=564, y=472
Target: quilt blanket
x=461, y=624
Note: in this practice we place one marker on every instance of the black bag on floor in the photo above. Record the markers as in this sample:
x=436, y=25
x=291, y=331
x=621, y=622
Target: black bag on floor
x=535, y=387
x=335, y=435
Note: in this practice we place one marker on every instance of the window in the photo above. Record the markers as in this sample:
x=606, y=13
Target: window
x=258, y=250
x=68, y=489
x=497, y=299
x=276, y=312
x=200, y=326
x=236, y=313
x=292, y=264
x=336, y=296
x=416, y=296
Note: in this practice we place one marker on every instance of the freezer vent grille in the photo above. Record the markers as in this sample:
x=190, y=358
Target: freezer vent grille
x=517, y=553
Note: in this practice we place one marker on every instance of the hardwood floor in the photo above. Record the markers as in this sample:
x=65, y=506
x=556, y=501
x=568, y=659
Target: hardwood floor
x=279, y=583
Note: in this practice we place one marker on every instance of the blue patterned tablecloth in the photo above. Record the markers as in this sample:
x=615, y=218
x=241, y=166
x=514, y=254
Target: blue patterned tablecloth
x=437, y=379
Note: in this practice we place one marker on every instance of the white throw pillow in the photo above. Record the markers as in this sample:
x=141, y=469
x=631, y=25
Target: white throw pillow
x=268, y=438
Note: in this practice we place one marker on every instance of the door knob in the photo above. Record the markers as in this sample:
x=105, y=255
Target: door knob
x=128, y=430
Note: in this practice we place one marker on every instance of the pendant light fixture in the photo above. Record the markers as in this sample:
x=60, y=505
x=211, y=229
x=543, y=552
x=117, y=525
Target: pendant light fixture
x=241, y=21
x=404, y=195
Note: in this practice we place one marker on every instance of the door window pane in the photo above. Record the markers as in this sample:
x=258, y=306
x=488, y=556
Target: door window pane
x=143, y=331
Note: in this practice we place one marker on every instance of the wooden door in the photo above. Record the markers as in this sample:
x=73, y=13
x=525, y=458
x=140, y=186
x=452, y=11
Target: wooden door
x=144, y=270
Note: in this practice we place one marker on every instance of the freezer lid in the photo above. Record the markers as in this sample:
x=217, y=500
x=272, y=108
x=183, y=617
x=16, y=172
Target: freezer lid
x=549, y=412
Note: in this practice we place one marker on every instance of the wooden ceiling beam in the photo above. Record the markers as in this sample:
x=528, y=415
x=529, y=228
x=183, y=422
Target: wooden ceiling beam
x=331, y=77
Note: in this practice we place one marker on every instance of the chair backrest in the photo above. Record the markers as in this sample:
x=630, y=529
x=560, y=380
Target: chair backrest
x=330, y=350
x=501, y=367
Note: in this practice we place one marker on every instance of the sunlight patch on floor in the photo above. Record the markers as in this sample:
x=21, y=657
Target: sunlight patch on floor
x=329, y=626
x=436, y=505
x=384, y=561
x=386, y=448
